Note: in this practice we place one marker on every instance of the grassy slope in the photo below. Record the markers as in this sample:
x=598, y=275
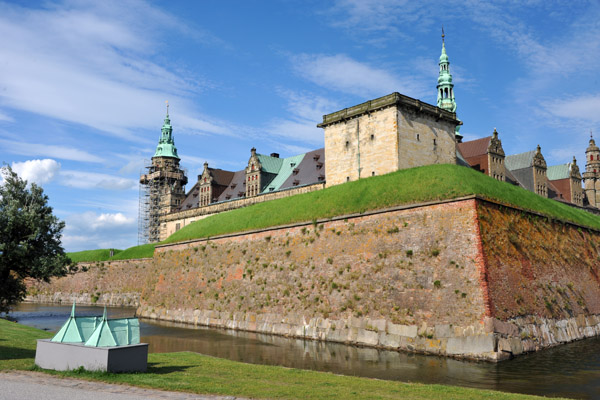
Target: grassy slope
x=196, y=373
x=92, y=255
x=432, y=182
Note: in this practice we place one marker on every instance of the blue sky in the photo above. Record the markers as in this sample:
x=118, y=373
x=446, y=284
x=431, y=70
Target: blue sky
x=83, y=84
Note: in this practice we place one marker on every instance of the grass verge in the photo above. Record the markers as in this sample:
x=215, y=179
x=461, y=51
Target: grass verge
x=92, y=255
x=191, y=372
x=415, y=185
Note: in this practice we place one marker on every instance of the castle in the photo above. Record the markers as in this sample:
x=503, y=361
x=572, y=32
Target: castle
x=379, y=136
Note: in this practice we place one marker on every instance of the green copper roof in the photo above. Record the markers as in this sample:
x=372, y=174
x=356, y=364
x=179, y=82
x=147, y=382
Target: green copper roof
x=287, y=167
x=445, y=91
x=166, y=144
x=270, y=164
x=562, y=171
x=76, y=329
x=519, y=161
x=99, y=331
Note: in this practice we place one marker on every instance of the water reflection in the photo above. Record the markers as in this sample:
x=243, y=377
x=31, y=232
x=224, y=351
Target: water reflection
x=569, y=371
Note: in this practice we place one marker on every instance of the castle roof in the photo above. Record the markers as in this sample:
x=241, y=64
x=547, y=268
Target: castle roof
x=474, y=148
x=561, y=171
x=286, y=169
x=269, y=164
x=310, y=170
x=519, y=161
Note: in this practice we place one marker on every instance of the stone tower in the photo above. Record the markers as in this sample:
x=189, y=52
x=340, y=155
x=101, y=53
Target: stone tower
x=592, y=173
x=496, y=168
x=540, y=180
x=445, y=87
x=164, y=182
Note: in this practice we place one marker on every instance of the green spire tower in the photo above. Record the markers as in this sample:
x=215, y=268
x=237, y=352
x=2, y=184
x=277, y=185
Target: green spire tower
x=166, y=144
x=162, y=188
x=445, y=87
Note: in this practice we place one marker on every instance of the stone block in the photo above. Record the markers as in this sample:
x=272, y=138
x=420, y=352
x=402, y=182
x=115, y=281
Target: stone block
x=471, y=345
x=402, y=330
x=69, y=356
x=443, y=331
x=367, y=337
x=389, y=340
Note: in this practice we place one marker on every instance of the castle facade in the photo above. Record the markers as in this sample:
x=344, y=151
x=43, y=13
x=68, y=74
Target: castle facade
x=379, y=136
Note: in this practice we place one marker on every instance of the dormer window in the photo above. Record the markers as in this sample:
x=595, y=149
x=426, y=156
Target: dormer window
x=319, y=165
x=292, y=164
x=296, y=182
x=295, y=171
x=316, y=157
x=321, y=178
x=233, y=185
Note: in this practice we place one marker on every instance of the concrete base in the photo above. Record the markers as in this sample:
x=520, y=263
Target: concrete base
x=69, y=356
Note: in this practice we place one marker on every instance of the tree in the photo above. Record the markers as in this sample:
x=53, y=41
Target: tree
x=30, y=245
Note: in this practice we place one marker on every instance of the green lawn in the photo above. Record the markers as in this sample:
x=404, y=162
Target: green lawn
x=429, y=183
x=422, y=184
x=196, y=373
x=92, y=255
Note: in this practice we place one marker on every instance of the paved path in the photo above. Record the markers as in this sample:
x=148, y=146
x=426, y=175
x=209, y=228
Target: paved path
x=36, y=385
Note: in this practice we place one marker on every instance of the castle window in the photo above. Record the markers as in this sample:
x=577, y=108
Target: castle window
x=592, y=157
x=372, y=137
x=434, y=143
x=418, y=138
x=348, y=178
x=373, y=173
x=347, y=144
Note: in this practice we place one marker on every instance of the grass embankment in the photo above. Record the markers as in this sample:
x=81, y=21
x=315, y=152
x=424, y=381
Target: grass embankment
x=415, y=185
x=429, y=183
x=196, y=373
x=92, y=255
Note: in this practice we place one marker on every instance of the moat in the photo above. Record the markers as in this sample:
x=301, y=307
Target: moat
x=571, y=370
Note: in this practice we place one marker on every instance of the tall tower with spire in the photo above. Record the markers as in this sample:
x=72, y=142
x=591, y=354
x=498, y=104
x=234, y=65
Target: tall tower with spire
x=445, y=87
x=162, y=186
x=591, y=175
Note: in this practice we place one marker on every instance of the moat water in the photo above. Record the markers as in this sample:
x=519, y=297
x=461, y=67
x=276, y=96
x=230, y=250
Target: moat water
x=571, y=370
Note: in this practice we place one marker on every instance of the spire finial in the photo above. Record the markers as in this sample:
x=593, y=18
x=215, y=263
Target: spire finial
x=591, y=136
x=167, y=107
x=443, y=35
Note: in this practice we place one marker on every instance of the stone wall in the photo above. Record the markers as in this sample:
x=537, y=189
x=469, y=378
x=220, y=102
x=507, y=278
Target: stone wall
x=466, y=278
x=110, y=283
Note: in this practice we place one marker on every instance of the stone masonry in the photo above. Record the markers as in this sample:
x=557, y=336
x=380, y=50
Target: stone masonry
x=466, y=278
x=384, y=135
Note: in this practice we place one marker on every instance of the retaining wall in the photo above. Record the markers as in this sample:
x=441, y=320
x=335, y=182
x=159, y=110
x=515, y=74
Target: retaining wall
x=466, y=278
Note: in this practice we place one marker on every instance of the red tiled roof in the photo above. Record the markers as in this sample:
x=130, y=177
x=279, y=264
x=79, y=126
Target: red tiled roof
x=474, y=148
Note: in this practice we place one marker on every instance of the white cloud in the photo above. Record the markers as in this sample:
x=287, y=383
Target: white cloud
x=38, y=171
x=585, y=107
x=48, y=150
x=92, y=63
x=340, y=72
x=305, y=111
x=93, y=180
x=84, y=231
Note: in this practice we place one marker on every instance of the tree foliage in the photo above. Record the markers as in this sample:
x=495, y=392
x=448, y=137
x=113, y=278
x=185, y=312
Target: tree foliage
x=30, y=245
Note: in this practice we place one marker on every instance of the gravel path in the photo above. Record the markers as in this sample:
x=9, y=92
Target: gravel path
x=36, y=385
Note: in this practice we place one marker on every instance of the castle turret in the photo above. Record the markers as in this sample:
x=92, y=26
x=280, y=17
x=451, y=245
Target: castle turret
x=445, y=87
x=540, y=180
x=165, y=182
x=591, y=174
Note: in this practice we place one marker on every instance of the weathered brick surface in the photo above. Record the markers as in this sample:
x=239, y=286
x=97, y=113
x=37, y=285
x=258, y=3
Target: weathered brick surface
x=467, y=279
x=114, y=283
x=539, y=267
